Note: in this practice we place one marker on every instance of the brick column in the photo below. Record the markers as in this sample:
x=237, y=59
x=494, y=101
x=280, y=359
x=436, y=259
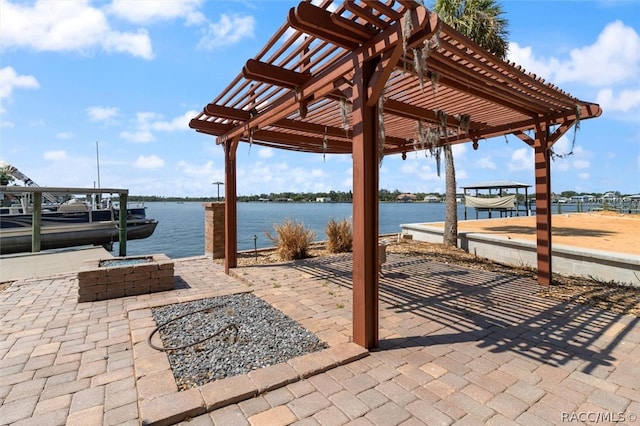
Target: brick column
x=214, y=230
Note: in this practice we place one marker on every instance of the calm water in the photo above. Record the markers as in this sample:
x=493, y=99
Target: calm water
x=180, y=231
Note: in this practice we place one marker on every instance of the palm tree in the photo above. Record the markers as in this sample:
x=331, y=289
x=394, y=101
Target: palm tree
x=481, y=21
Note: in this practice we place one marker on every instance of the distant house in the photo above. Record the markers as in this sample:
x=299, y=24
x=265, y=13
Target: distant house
x=323, y=199
x=582, y=199
x=432, y=199
x=406, y=198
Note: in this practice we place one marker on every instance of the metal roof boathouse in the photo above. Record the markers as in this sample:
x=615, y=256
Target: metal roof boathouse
x=376, y=78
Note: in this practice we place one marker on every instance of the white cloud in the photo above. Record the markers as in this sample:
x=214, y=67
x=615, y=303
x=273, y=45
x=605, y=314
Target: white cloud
x=581, y=164
x=227, y=31
x=150, y=11
x=614, y=57
x=136, y=44
x=104, y=114
x=522, y=159
x=65, y=135
x=61, y=26
x=458, y=150
x=189, y=169
x=55, y=155
x=9, y=80
x=265, y=152
x=625, y=101
x=138, y=136
x=179, y=123
x=149, y=122
x=428, y=173
x=584, y=176
x=149, y=162
x=486, y=163
x=409, y=167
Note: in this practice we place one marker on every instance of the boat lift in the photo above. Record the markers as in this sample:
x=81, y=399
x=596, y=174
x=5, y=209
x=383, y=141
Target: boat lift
x=38, y=194
x=13, y=171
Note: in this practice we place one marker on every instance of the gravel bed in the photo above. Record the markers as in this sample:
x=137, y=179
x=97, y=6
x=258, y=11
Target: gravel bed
x=225, y=336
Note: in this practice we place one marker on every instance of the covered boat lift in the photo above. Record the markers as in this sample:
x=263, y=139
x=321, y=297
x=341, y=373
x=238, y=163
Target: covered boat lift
x=376, y=78
x=500, y=186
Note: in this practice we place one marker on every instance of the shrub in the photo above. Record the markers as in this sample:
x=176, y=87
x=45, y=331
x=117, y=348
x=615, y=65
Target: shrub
x=292, y=240
x=340, y=237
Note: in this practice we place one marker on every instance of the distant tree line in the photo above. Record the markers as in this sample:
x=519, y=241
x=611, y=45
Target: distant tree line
x=384, y=195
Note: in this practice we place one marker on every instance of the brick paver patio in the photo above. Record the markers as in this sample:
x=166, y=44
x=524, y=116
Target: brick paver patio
x=457, y=346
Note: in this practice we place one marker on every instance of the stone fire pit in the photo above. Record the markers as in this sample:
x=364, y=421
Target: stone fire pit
x=124, y=276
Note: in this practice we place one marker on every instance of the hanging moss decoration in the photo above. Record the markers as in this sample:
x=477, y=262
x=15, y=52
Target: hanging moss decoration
x=420, y=57
x=406, y=29
x=437, y=155
x=442, y=119
x=419, y=66
x=325, y=144
x=428, y=138
x=464, y=120
x=576, y=127
x=381, y=131
x=434, y=41
x=422, y=136
x=346, y=108
x=435, y=81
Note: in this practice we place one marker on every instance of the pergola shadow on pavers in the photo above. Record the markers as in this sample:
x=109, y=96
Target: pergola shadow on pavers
x=375, y=78
x=501, y=312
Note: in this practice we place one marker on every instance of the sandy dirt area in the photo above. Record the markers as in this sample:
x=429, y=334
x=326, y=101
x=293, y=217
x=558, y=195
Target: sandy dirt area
x=594, y=230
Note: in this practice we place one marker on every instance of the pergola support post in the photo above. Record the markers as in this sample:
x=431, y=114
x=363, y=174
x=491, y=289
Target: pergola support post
x=36, y=222
x=230, y=206
x=365, y=210
x=122, y=235
x=543, y=203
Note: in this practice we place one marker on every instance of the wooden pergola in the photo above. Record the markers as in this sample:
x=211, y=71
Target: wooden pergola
x=374, y=78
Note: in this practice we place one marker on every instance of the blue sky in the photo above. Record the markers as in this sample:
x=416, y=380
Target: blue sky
x=130, y=74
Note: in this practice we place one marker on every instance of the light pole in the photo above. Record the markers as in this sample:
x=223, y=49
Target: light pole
x=218, y=183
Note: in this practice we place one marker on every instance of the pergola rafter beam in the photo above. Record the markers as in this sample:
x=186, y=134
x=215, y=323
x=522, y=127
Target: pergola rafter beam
x=227, y=112
x=317, y=22
x=209, y=127
x=271, y=74
x=417, y=113
x=332, y=146
x=365, y=15
x=329, y=131
x=553, y=119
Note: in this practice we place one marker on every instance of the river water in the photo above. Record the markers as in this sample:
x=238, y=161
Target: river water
x=180, y=231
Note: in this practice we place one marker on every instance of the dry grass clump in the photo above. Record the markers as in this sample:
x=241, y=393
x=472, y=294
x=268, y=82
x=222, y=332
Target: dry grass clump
x=339, y=236
x=292, y=240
